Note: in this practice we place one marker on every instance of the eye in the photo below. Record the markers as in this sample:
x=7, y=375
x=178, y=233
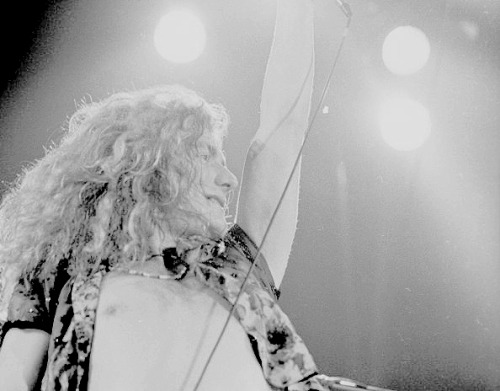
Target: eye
x=204, y=157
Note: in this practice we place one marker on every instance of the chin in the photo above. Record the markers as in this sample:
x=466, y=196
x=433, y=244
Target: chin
x=217, y=224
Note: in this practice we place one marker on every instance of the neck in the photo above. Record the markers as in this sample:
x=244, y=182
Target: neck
x=160, y=241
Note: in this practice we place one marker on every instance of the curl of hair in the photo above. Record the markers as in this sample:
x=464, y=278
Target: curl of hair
x=122, y=171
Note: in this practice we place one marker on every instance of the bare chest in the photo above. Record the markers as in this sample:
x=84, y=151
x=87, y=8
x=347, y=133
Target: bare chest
x=158, y=335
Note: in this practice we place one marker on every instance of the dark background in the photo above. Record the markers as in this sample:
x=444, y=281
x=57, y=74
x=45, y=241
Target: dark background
x=394, y=278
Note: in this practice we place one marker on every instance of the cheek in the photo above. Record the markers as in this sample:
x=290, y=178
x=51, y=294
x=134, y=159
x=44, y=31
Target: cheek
x=198, y=180
x=206, y=178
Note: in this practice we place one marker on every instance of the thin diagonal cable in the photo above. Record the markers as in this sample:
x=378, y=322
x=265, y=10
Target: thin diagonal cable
x=280, y=201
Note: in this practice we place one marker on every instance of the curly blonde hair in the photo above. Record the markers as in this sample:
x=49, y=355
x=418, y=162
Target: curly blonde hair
x=122, y=171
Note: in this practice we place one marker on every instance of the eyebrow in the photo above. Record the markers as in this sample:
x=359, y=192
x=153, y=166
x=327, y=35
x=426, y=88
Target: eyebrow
x=214, y=152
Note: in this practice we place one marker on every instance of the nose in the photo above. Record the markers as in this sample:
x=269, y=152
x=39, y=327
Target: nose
x=226, y=179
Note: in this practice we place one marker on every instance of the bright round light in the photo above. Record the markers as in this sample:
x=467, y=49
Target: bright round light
x=180, y=37
x=404, y=123
x=406, y=50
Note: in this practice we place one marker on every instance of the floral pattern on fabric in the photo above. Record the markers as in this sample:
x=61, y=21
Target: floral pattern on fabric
x=222, y=266
x=284, y=358
x=67, y=368
x=27, y=306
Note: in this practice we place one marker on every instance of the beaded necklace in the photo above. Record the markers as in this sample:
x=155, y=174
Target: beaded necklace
x=173, y=262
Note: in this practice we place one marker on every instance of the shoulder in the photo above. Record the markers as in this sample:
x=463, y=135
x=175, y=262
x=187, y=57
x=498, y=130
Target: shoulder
x=240, y=247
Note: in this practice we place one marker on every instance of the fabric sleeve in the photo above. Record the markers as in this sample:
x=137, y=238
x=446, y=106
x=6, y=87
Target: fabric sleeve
x=33, y=301
x=240, y=244
x=27, y=307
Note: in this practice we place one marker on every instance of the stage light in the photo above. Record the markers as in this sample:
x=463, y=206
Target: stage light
x=406, y=50
x=405, y=124
x=180, y=36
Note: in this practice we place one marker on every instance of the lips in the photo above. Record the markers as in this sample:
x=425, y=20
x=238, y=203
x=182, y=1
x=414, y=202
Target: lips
x=220, y=200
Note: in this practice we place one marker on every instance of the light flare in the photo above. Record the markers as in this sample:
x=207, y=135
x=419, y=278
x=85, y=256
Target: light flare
x=180, y=36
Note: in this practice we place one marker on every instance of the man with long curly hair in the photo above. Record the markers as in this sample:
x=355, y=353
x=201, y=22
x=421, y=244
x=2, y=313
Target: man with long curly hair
x=122, y=265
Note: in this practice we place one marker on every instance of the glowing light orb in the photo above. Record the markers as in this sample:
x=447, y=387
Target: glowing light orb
x=180, y=36
x=406, y=50
x=405, y=124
